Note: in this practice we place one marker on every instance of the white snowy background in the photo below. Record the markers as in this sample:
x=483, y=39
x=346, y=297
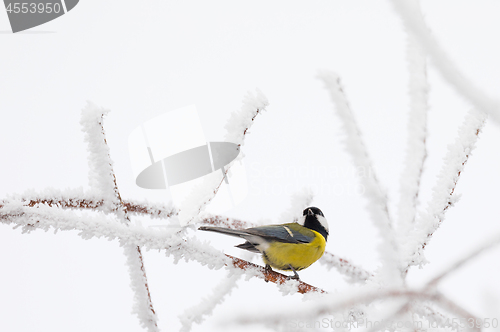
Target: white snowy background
x=141, y=59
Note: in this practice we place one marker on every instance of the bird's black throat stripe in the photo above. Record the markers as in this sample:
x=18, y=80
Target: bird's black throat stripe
x=313, y=223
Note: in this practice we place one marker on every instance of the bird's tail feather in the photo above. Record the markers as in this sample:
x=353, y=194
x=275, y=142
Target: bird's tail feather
x=228, y=231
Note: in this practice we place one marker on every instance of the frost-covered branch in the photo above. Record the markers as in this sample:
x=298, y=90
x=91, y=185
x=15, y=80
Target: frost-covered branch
x=198, y=312
x=288, y=286
x=345, y=302
x=225, y=222
x=443, y=192
x=428, y=312
x=78, y=199
x=433, y=316
x=489, y=244
x=70, y=199
x=102, y=180
x=100, y=225
x=237, y=128
x=451, y=306
x=416, y=152
x=241, y=121
x=206, y=306
x=330, y=304
x=352, y=272
x=414, y=22
x=377, y=198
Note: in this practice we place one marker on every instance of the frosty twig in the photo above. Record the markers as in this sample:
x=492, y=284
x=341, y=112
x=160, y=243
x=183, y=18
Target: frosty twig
x=489, y=244
x=376, y=196
x=416, y=152
x=352, y=272
x=413, y=21
x=107, y=226
x=443, y=192
x=273, y=276
x=102, y=179
x=237, y=127
x=196, y=314
x=77, y=199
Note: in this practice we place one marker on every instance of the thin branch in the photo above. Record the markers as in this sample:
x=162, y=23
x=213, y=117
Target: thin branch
x=453, y=307
x=273, y=276
x=237, y=127
x=333, y=303
x=91, y=202
x=414, y=22
x=343, y=266
x=377, y=198
x=446, y=303
x=352, y=272
x=103, y=179
x=100, y=225
x=443, y=192
x=226, y=222
x=205, y=307
x=416, y=151
x=452, y=268
x=433, y=316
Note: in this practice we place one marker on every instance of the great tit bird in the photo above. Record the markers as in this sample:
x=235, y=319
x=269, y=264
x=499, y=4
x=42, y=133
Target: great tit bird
x=293, y=246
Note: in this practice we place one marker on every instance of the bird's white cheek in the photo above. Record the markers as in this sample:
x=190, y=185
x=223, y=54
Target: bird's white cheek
x=323, y=222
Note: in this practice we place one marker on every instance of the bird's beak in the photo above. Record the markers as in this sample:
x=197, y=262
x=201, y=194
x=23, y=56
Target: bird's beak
x=309, y=212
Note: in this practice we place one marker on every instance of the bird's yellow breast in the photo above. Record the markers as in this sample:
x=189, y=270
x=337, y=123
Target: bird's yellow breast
x=300, y=255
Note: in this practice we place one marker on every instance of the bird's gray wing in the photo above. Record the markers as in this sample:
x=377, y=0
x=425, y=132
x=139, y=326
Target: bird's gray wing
x=287, y=233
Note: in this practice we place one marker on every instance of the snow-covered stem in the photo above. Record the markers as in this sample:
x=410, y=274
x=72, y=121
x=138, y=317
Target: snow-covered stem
x=157, y=210
x=427, y=311
x=205, y=307
x=241, y=121
x=330, y=304
x=352, y=272
x=443, y=196
x=237, y=128
x=61, y=199
x=416, y=152
x=418, y=308
x=453, y=307
x=377, y=198
x=100, y=225
x=273, y=276
x=335, y=303
x=488, y=245
x=221, y=221
x=102, y=179
x=414, y=22
x=143, y=305
x=433, y=316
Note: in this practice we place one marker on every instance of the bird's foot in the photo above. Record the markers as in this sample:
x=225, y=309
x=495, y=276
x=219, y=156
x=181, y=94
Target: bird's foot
x=295, y=274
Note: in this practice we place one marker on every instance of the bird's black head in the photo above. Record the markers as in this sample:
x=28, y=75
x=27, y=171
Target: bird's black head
x=314, y=219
